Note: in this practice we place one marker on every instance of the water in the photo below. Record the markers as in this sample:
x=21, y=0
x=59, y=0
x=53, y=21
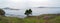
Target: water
x=36, y=12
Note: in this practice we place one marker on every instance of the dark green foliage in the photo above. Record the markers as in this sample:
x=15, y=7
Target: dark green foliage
x=2, y=12
x=27, y=12
x=30, y=11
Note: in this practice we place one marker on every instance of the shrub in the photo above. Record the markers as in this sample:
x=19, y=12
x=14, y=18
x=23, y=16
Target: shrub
x=2, y=12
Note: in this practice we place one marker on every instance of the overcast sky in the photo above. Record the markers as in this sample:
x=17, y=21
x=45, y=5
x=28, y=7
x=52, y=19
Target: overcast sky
x=29, y=3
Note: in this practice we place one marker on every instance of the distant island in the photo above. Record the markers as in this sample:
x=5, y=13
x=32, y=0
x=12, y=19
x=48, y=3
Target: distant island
x=48, y=7
x=10, y=8
x=41, y=7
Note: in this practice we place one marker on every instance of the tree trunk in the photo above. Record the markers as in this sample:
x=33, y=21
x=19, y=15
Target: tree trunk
x=27, y=15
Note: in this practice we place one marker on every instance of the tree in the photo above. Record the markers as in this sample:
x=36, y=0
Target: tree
x=2, y=12
x=27, y=12
x=30, y=11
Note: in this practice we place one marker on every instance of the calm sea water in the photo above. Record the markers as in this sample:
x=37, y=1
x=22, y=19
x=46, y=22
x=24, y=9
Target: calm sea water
x=36, y=12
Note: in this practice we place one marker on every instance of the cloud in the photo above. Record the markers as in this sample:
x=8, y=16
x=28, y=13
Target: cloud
x=29, y=3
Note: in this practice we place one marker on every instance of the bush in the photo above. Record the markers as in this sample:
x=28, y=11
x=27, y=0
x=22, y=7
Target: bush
x=2, y=12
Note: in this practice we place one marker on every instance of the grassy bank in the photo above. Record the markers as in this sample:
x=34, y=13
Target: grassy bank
x=54, y=18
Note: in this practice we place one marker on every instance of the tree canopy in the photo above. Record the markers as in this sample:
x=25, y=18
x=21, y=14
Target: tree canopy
x=27, y=12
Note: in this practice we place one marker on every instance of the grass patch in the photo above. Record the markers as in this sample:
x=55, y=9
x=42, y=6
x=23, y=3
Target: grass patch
x=33, y=19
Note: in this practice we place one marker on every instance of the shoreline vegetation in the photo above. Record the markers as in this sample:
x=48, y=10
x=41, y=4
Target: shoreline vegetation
x=45, y=18
x=52, y=18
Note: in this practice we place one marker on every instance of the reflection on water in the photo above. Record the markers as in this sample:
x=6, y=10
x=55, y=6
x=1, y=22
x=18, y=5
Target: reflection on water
x=36, y=11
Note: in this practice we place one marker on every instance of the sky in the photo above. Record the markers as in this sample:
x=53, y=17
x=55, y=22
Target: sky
x=29, y=3
x=54, y=3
